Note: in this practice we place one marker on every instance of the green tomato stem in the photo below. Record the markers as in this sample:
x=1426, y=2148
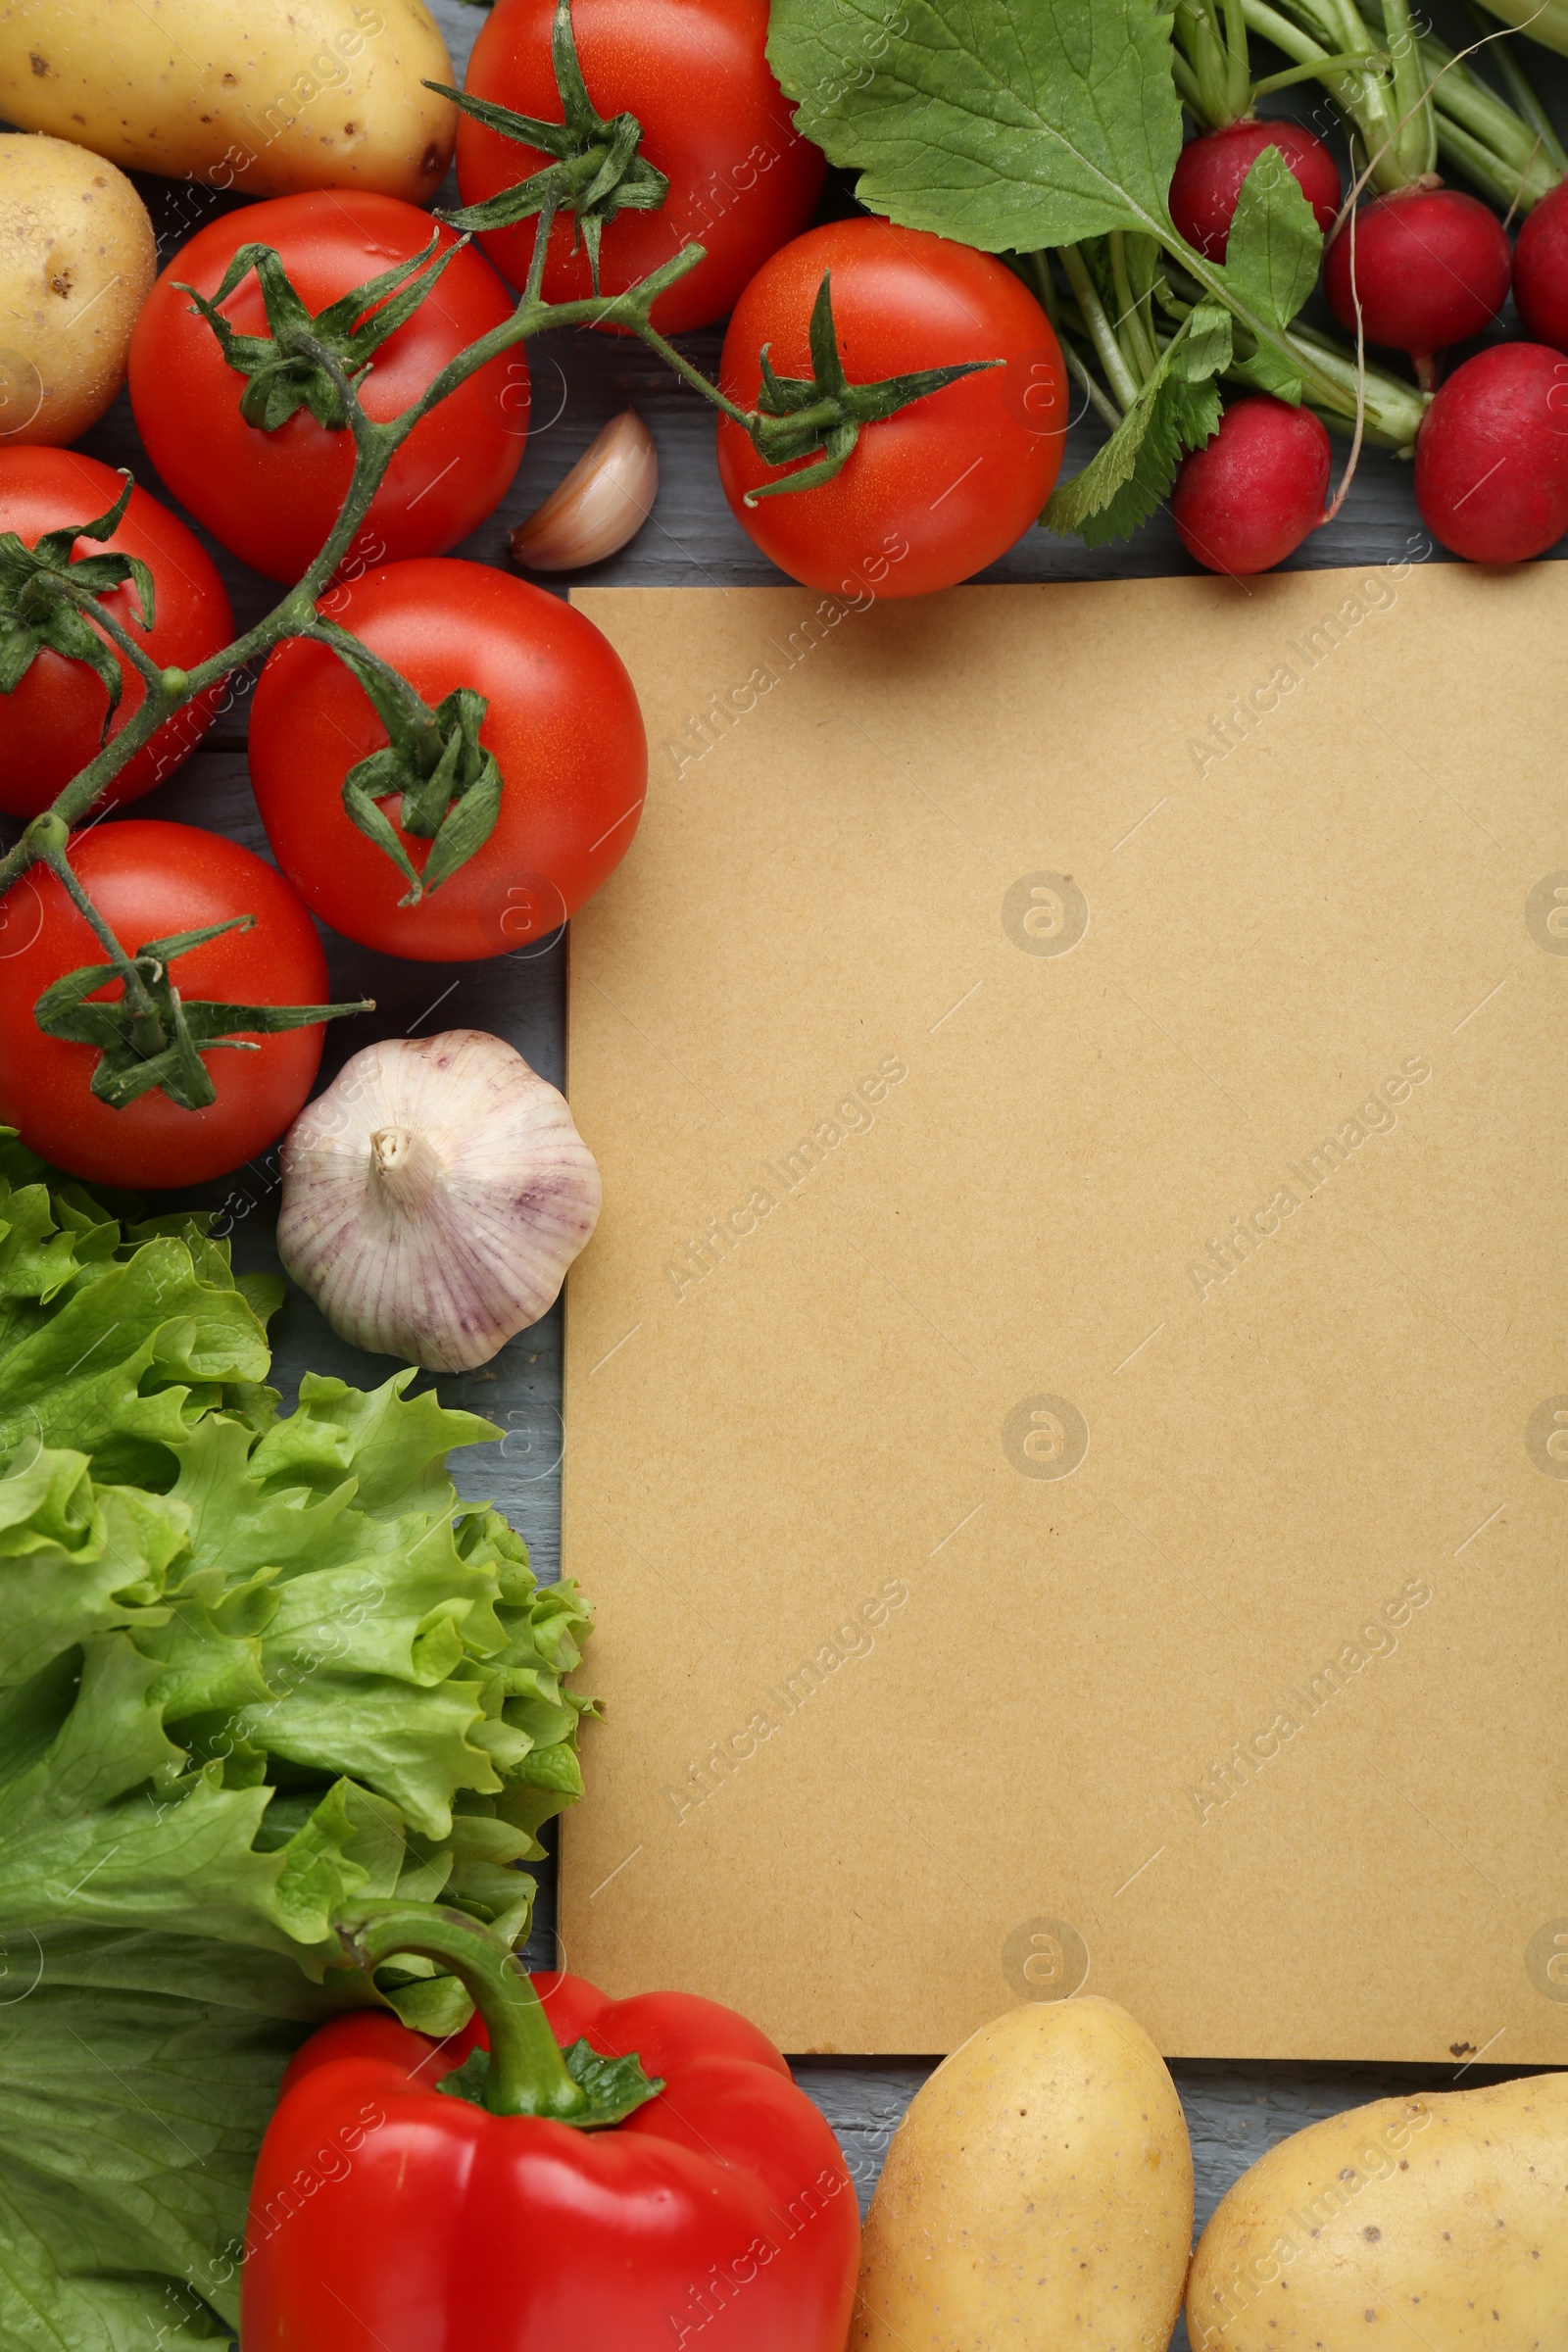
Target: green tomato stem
x=357, y=654
x=541, y=248
x=47, y=837
x=682, y=366
x=150, y=672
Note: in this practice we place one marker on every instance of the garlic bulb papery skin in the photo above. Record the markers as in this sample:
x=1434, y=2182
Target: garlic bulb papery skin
x=603, y=501
x=434, y=1197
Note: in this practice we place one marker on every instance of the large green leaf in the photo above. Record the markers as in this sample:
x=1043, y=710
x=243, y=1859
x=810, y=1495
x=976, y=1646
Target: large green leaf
x=137, y=2073
x=129, y=2125
x=1010, y=127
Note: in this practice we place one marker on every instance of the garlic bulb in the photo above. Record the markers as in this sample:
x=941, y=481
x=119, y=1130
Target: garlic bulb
x=603, y=501
x=434, y=1197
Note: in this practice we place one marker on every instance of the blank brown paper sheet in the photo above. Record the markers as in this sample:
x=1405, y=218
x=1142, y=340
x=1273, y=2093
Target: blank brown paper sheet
x=1067, y=1403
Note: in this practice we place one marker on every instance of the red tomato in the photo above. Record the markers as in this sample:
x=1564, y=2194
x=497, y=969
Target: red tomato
x=272, y=498
x=946, y=486
x=149, y=880
x=695, y=73
x=50, y=726
x=564, y=724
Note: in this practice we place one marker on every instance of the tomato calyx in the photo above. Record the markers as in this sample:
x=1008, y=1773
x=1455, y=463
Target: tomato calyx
x=599, y=170
x=309, y=362
x=795, y=415
x=150, y=1036
x=47, y=595
x=162, y=1044
x=449, y=782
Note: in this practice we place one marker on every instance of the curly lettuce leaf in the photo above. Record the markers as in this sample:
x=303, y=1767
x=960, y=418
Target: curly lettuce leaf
x=127, y=1356
x=50, y=1232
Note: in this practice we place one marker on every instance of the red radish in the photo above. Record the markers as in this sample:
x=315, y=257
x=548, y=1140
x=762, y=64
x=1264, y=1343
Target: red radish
x=1431, y=267
x=1210, y=169
x=1251, y=495
x=1540, y=270
x=1492, y=456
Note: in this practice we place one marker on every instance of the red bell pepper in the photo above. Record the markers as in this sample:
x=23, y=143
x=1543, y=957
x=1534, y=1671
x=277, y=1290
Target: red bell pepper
x=579, y=2208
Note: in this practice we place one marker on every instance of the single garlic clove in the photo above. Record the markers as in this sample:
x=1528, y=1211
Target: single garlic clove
x=603, y=501
x=433, y=1198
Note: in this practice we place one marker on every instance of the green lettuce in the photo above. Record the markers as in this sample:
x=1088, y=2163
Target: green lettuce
x=253, y=1668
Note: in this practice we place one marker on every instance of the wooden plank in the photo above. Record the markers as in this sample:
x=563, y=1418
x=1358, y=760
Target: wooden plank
x=580, y=380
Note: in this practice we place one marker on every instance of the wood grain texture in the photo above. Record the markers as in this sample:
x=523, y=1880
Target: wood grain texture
x=1235, y=2111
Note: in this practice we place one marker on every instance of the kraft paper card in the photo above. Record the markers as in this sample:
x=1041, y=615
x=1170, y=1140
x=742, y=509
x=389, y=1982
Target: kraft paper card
x=1067, y=1406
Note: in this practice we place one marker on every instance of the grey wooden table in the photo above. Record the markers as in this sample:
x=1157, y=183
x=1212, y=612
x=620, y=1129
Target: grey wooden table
x=1235, y=2110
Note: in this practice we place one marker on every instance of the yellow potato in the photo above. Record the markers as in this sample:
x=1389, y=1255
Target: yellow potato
x=1038, y=2195
x=264, y=95
x=76, y=256
x=1439, y=2221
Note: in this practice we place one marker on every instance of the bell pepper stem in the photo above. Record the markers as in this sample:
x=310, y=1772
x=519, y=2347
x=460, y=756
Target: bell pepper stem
x=527, y=2071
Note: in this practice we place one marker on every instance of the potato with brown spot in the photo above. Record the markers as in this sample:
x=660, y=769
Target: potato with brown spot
x=78, y=256
x=1038, y=2195
x=251, y=94
x=1438, y=2221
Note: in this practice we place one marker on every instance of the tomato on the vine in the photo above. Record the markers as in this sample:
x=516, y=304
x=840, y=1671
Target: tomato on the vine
x=51, y=723
x=272, y=498
x=564, y=725
x=152, y=881
x=947, y=484
x=742, y=179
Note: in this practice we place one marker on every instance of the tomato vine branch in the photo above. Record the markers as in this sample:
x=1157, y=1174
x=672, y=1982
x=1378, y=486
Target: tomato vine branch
x=375, y=446
x=447, y=785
